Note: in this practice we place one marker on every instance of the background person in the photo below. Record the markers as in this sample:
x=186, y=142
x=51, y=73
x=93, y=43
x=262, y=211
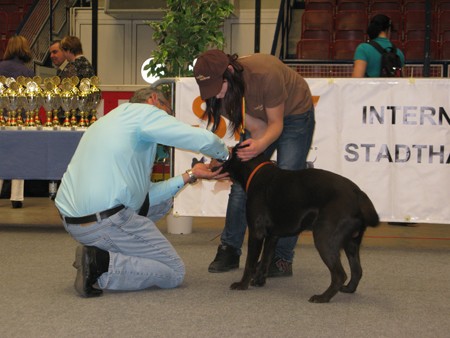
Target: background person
x=110, y=171
x=367, y=60
x=279, y=114
x=57, y=56
x=78, y=64
x=17, y=55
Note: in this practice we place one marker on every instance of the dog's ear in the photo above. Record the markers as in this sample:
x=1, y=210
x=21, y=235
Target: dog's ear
x=239, y=146
x=236, y=147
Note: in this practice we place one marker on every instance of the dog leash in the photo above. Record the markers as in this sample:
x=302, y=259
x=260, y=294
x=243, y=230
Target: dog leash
x=259, y=166
x=242, y=132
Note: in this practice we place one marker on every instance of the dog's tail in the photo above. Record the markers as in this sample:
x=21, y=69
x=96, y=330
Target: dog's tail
x=368, y=211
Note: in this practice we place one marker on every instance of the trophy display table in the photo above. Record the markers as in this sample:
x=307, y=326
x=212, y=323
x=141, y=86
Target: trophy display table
x=36, y=154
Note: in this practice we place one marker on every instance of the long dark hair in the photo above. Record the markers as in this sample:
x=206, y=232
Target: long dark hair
x=378, y=24
x=231, y=104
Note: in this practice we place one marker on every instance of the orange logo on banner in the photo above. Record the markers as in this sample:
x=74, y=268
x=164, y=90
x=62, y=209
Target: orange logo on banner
x=315, y=100
x=199, y=112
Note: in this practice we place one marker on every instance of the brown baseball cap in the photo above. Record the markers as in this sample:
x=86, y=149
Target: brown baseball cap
x=208, y=72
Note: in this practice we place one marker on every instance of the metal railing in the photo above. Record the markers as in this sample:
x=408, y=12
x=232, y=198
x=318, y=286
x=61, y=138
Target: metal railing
x=335, y=69
x=46, y=19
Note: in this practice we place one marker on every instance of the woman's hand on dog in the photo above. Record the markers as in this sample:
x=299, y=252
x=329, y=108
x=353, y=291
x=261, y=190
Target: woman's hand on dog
x=249, y=149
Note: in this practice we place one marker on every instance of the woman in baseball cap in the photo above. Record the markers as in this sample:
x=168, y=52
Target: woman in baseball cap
x=271, y=105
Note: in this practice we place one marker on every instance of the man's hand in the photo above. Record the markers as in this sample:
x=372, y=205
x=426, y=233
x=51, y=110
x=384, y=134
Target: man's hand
x=215, y=165
x=203, y=170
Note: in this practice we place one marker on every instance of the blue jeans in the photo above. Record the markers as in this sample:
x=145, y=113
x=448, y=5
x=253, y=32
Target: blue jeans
x=140, y=256
x=292, y=150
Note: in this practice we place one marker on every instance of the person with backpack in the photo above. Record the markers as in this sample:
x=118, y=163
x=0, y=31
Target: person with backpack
x=379, y=57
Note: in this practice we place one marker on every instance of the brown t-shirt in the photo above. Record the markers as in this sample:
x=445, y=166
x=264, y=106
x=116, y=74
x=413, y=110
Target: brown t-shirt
x=269, y=82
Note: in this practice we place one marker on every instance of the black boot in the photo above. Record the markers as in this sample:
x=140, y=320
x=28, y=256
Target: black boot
x=227, y=258
x=16, y=204
x=91, y=263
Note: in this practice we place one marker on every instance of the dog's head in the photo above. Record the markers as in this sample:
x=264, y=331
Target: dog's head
x=240, y=170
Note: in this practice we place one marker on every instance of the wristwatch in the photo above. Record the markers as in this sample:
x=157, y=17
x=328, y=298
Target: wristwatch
x=192, y=178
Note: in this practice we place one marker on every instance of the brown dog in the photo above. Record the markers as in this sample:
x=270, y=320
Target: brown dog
x=284, y=203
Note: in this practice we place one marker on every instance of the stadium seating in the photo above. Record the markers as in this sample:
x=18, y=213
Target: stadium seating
x=383, y=5
x=345, y=5
x=313, y=49
x=344, y=49
x=327, y=5
x=415, y=50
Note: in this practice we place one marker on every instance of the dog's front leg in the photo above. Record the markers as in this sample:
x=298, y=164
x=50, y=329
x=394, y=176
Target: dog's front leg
x=253, y=252
x=262, y=270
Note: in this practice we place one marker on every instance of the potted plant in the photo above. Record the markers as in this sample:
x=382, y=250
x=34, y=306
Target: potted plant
x=188, y=28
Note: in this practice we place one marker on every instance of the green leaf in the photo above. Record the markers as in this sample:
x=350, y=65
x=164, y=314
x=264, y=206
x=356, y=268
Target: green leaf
x=188, y=28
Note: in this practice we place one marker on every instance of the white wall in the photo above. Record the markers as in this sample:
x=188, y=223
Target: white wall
x=123, y=45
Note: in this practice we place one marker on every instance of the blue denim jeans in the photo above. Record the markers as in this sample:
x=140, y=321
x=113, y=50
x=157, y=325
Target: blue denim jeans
x=292, y=150
x=140, y=256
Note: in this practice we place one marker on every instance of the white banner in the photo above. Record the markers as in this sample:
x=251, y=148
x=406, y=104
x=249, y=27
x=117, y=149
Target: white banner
x=390, y=136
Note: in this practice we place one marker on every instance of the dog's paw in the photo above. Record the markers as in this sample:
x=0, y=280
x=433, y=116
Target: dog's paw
x=347, y=288
x=258, y=282
x=319, y=299
x=238, y=286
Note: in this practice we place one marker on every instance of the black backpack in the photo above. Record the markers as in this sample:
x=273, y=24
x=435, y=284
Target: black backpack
x=391, y=66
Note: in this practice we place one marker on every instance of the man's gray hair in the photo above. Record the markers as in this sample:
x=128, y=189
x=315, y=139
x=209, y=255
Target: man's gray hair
x=142, y=95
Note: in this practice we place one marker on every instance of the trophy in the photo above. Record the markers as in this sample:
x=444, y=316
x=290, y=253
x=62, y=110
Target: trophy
x=74, y=80
x=96, y=98
x=12, y=102
x=35, y=112
x=67, y=100
x=57, y=101
x=51, y=100
x=84, y=101
x=32, y=102
x=3, y=100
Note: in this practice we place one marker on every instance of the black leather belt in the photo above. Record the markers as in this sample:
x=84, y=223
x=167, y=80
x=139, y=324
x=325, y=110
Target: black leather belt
x=94, y=217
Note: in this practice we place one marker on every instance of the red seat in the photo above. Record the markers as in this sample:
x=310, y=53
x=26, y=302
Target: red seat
x=3, y=24
x=415, y=50
x=351, y=20
x=442, y=5
x=414, y=25
x=344, y=49
x=3, y=43
x=9, y=6
x=317, y=20
x=385, y=5
x=360, y=5
x=409, y=5
x=318, y=35
x=313, y=49
x=444, y=24
x=327, y=5
x=350, y=35
x=317, y=24
x=445, y=50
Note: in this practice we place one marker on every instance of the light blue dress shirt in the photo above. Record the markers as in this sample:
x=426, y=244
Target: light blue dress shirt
x=113, y=162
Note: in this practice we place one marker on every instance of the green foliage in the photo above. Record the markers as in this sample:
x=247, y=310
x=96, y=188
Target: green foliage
x=188, y=28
